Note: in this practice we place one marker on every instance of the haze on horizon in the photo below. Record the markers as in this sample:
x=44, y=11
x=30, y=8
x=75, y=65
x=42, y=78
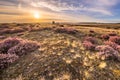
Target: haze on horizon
x=59, y=10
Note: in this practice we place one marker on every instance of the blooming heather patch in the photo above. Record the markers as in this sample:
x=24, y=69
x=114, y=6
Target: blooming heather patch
x=118, y=48
x=5, y=31
x=6, y=44
x=11, y=31
x=17, y=30
x=107, y=52
x=7, y=59
x=88, y=45
x=115, y=39
x=12, y=48
x=67, y=30
x=111, y=44
x=91, y=39
x=2, y=37
x=23, y=48
x=105, y=36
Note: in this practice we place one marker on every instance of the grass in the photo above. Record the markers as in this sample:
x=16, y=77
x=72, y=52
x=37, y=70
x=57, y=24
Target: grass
x=61, y=56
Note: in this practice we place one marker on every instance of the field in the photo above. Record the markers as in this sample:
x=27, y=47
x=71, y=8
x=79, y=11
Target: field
x=60, y=51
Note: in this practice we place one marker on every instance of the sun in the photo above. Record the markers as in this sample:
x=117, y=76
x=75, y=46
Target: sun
x=37, y=15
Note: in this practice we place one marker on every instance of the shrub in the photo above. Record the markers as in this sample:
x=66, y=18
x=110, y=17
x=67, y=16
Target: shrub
x=7, y=59
x=45, y=28
x=111, y=44
x=92, y=31
x=105, y=37
x=112, y=34
x=8, y=43
x=23, y=48
x=91, y=34
x=118, y=48
x=88, y=45
x=11, y=31
x=20, y=34
x=12, y=48
x=27, y=28
x=66, y=30
x=61, y=25
x=4, y=26
x=107, y=52
x=91, y=39
x=5, y=31
x=2, y=37
x=115, y=39
x=17, y=30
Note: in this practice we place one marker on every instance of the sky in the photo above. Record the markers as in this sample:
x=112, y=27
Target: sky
x=59, y=10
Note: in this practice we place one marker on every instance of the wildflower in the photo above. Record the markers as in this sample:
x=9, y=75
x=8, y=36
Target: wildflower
x=23, y=48
x=115, y=39
x=107, y=52
x=105, y=37
x=111, y=44
x=8, y=43
x=7, y=59
x=91, y=39
x=88, y=45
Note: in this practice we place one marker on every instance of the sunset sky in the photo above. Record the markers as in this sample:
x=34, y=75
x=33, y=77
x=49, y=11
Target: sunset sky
x=59, y=10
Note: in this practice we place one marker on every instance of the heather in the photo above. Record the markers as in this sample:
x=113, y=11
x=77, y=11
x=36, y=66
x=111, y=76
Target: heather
x=66, y=52
x=68, y=30
x=7, y=59
x=23, y=48
x=93, y=40
x=88, y=45
x=107, y=52
x=13, y=48
x=6, y=44
x=115, y=39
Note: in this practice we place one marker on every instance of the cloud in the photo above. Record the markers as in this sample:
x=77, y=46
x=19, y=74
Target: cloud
x=95, y=6
x=102, y=7
x=10, y=13
x=66, y=10
x=9, y=2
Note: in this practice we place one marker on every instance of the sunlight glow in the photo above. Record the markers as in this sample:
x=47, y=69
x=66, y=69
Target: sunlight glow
x=37, y=15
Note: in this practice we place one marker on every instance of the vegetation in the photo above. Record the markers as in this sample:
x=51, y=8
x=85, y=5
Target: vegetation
x=52, y=52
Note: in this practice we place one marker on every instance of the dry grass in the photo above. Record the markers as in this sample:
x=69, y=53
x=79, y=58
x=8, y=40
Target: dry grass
x=62, y=56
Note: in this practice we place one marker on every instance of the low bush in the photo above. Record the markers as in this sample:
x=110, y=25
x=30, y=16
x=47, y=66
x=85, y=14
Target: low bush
x=2, y=37
x=112, y=34
x=7, y=59
x=17, y=30
x=11, y=31
x=4, y=26
x=115, y=39
x=91, y=39
x=88, y=45
x=6, y=44
x=23, y=48
x=13, y=48
x=67, y=30
x=92, y=31
x=111, y=44
x=107, y=52
x=5, y=31
x=105, y=37
x=27, y=28
x=118, y=48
